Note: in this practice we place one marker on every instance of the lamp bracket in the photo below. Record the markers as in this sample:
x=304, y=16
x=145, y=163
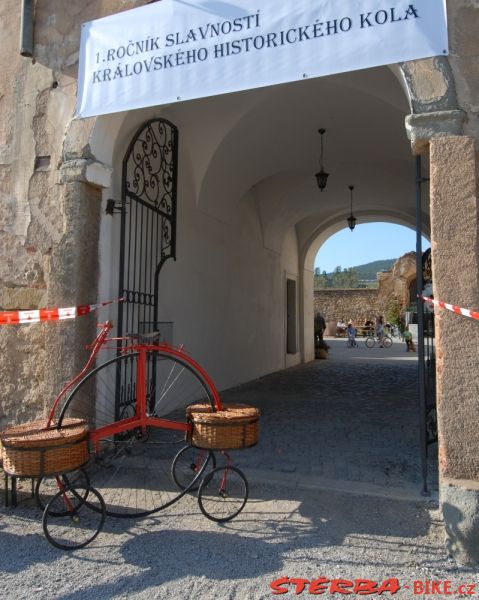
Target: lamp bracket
x=112, y=207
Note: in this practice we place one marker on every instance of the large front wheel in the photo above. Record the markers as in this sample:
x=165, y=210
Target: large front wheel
x=131, y=468
x=370, y=342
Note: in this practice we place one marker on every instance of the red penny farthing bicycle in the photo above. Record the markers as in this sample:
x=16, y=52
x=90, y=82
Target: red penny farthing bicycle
x=135, y=405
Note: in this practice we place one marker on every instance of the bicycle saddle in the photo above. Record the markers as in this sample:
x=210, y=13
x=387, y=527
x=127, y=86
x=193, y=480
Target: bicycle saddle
x=154, y=336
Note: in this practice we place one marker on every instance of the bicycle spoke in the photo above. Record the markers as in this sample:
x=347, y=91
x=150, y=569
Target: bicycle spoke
x=132, y=469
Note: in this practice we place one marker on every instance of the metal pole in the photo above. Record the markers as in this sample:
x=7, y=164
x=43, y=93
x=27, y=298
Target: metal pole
x=26, y=28
x=420, y=328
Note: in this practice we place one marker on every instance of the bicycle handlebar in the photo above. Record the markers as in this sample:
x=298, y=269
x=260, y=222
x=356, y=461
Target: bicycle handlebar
x=148, y=341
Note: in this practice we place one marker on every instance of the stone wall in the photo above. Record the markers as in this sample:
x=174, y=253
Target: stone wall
x=25, y=240
x=359, y=304
x=39, y=224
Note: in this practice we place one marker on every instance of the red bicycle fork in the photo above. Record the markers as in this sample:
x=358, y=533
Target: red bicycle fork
x=142, y=420
x=224, y=479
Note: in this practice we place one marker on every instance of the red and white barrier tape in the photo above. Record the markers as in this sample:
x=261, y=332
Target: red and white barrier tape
x=15, y=317
x=466, y=312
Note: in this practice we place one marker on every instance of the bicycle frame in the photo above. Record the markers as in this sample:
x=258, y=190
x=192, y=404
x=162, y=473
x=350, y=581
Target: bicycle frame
x=224, y=479
x=158, y=366
x=142, y=419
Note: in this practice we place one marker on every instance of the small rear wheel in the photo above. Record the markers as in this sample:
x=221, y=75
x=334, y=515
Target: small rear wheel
x=187, y=463
x=223, y=494
x=46, y=487
x=70, y=521
x=370, y=342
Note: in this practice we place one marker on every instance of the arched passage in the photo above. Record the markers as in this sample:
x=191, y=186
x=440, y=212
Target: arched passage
x=315, y=236
x=431, y=100
x=249, y=209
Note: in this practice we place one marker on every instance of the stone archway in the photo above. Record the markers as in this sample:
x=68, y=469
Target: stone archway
x=435, y=124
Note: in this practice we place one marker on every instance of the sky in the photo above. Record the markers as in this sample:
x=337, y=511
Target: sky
x=366, y=243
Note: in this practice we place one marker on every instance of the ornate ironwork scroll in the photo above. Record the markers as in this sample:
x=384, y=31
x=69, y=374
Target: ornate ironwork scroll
x=148, y=222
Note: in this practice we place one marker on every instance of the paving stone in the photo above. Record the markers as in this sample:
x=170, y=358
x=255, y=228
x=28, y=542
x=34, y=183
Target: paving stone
x=349, y=418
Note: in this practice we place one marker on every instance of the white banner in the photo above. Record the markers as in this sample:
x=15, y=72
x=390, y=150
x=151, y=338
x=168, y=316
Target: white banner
x=177, y=50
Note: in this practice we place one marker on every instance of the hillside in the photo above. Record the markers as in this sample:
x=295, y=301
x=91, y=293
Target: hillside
x=353, y=277
x=368, y=271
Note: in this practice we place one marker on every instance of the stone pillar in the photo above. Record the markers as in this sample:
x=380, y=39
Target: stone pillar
x=455, y=252
x=73, y=272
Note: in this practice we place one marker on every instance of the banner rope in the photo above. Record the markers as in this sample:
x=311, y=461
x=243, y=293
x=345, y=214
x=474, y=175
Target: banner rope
x=466, y=312
x=21, y=317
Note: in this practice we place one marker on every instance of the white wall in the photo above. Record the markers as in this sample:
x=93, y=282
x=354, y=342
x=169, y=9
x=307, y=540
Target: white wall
x=249, y=212
x=226, y=292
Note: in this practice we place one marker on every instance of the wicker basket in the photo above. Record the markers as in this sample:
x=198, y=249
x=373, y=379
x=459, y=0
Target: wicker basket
x=234, y=427
x=32, y=450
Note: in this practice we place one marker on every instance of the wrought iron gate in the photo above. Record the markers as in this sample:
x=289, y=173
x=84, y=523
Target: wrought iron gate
x=147, y=241
x=429, y=356
x=426, y=339
x=148, y=223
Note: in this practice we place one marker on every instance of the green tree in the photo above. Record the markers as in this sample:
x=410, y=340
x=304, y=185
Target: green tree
x=340, y=278
x=345, y=278
x=321, y=280
x=393, y=312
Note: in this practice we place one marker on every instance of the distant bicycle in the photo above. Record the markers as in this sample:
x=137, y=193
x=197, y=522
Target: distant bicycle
x=372, y=340
x=392, y=330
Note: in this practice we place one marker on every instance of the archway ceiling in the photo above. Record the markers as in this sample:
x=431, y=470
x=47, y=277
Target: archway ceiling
x=266, y=142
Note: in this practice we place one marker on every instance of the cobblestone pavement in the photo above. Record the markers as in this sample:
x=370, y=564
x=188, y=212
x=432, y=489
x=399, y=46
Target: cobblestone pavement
x=350, y=422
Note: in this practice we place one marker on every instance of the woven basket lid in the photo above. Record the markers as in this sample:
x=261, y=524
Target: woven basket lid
x=204, y=413
x=28, y=434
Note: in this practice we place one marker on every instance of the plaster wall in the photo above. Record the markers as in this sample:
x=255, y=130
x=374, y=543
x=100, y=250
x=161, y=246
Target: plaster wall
x=225, y=293
x=30, y=222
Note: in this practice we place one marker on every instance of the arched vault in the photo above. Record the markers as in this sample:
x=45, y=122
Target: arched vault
x=271, y=150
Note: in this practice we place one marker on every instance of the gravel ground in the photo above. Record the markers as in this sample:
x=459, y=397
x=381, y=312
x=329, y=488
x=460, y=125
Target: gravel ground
x=328, y=439
x=180, y=555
